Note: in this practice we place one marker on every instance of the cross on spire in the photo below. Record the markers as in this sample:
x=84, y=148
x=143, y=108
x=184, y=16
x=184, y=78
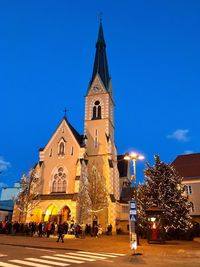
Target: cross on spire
x=65, y=112
x=100, y=16
x=100, y=62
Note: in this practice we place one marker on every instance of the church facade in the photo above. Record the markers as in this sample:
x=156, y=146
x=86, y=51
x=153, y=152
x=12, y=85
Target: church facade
x=69, y=156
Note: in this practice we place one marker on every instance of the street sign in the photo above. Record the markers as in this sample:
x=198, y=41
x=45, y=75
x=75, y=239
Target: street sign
x=133, y=211
x=132, y=205
x=133, y=217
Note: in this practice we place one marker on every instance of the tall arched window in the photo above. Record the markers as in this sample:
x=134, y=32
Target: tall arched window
x=59, y=185
x=99, y=112
x=54, y=189
x=62, y=148
x=64, y=186
x=59, y=182
x=96, y=110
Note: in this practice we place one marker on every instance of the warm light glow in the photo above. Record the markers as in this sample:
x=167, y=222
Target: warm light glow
x=48, y=212
x=127, y=157
x=154, y=226
x=133, y=156
x=140, y=157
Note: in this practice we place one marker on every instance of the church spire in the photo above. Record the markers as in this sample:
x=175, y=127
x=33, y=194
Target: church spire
x=100, y=63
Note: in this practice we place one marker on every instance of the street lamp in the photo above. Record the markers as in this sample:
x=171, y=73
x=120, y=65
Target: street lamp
x=133, y=205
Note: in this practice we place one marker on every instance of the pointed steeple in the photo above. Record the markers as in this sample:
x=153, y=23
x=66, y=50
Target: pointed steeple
x=100, y=63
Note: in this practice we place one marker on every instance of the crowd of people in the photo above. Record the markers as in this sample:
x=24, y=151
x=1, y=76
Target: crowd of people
x=45, y=229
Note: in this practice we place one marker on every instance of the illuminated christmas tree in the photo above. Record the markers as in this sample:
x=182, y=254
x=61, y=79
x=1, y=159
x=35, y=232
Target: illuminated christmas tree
x=163, y=188
x=92, y=196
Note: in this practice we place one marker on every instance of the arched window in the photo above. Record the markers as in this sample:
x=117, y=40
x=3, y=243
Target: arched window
x=96, y=139
x=96, y=110
x=64, y=186
x=59, y=182
x=99, y=111
x=59, y=186
x=54, y=186
x=62, y=148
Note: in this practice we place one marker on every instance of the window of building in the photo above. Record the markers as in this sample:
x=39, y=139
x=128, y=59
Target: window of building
x=96, y=139
x=54, y=186
x=192, y=207
x=59, y=187
x=72, y=151
x=64, y=186
x=96, y=110
x=188, y=189
x=61, y=149
x=59, y=182
x=50, y=152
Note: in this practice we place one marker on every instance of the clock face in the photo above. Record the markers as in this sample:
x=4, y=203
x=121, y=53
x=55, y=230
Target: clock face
x=96, y=89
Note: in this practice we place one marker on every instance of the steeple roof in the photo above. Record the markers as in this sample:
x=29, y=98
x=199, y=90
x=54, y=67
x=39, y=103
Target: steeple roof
x=100, y=62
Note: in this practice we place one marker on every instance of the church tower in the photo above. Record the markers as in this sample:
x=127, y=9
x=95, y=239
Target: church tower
x=68, y=157
x=99, y=127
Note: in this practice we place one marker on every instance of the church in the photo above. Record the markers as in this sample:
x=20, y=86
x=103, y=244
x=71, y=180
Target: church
x=69, y=156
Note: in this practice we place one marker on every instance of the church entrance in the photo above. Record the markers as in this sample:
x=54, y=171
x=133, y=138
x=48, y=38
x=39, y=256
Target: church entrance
x=65, y=214
x=51, y=214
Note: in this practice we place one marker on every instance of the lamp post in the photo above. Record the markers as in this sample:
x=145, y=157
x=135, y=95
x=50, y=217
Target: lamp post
x=133, y=204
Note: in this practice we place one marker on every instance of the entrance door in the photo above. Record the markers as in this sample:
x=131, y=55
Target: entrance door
x=65, y=214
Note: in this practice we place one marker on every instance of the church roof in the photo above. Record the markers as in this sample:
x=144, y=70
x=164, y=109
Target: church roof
x=126, y=194
x=6, y=205
x=100, y=62
x=188, y=166
x=122, y=165
x=78, y=137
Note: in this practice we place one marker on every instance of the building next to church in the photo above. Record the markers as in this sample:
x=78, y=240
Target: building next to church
x=188, y=167
x=8, y=195
x=68, y=156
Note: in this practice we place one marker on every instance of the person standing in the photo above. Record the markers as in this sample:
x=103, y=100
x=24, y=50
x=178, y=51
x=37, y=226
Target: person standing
x=48, y=227
x=40, y=229
x=60, y=233
x=83, y=227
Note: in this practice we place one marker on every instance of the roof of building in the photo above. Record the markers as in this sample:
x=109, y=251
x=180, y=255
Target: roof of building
x=79, y=138
x=6, y=205
x=188, y=166
x=122, y=165
x=100, y=62
x=126, y=194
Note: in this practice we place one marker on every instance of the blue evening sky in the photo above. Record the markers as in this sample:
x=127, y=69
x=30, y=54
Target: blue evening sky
x=46, y=57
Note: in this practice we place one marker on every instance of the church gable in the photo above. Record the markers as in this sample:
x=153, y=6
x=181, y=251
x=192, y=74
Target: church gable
x=63, y=142
x=96, y=87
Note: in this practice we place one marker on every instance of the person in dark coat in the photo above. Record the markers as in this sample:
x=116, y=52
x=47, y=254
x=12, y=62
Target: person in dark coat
x=60, y=233
x=40, y=230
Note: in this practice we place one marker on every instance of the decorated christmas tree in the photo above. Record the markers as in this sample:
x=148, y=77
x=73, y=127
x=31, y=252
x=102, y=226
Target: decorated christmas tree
x=163, y=188
x=92, y=196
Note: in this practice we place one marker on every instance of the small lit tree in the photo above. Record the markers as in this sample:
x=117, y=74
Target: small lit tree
x=93, y=196
x=28, y=196
x=163, y=188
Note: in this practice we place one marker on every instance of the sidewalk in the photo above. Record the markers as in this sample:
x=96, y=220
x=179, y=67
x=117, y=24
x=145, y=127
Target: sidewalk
x=117, y=244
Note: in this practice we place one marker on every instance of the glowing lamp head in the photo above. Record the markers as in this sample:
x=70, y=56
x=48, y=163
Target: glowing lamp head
x=133, y=155
x=127, y=156
x=140, y=157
